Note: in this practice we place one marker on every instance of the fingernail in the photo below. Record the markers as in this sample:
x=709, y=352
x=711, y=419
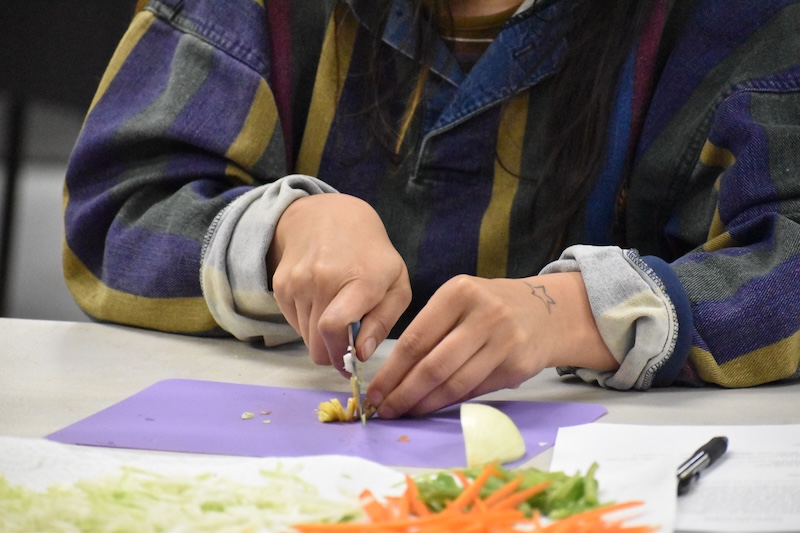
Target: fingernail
x=368, y=348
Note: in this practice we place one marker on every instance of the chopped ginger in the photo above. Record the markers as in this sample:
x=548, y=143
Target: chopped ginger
x=334, y=411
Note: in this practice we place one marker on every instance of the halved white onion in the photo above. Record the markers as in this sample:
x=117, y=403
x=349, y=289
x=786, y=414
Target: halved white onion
x=489, y=435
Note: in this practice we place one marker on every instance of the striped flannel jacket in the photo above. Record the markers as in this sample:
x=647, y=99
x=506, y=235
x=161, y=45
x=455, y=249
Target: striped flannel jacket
x=213, y=116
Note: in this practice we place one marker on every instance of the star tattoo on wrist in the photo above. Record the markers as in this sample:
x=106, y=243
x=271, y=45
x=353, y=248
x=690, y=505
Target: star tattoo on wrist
x=540, y=292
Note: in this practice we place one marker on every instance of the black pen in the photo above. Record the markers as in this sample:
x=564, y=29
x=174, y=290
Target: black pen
x=705, y=456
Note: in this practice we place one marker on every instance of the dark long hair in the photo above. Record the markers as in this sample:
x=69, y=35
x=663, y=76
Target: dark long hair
x=599, y=37
x=600, y=41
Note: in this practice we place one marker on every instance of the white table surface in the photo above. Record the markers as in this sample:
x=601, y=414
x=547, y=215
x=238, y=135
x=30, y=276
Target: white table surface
x=53, y=374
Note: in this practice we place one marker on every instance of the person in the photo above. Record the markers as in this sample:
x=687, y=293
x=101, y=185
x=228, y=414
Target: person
x=608, y=188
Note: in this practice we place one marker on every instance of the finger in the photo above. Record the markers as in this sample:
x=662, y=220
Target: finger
x=378, y=322
x=419, y=339
x=497, y=380
x=511, y=373
x=289, y=311
x=346, y=307
x=336, y=356
x=479, y=375
x=440, y=370
x=376, y=308
x=302, y=324
x=435, y=321
x=315, y=341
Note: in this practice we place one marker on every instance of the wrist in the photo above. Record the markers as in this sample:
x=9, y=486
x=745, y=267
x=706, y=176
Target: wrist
x=295, y=211
x=575, y=337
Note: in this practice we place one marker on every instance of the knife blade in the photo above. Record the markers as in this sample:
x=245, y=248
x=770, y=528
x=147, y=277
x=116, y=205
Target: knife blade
x=352, y=334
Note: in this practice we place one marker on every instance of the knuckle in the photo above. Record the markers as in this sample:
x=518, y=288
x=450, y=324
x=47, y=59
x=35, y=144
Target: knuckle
x=288, y=281
x=464, y=283
x=404, y=294
x=318, y=271
x=329, y=324
x=467, y=288
x=410, y=342
x=382, y=325
x=279, y=284
x=452, y=390
x=516, y=337
x=436, y=372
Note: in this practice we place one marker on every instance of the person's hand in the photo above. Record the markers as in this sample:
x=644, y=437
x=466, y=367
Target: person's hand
x=332, y=263
x=480, y=335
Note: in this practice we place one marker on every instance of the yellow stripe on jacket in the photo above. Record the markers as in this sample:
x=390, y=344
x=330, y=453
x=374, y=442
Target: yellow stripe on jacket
x=764, y=365
x=176, y=315
x=714, y=156
x=141, y=23
x=495, y=225
x=337, y=50
x=254, y=137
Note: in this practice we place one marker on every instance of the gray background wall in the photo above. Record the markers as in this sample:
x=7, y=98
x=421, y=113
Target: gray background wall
x=35, y=287
x=51, y=60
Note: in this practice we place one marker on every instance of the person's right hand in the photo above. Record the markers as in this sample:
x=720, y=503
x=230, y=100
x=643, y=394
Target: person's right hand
x=332, y=263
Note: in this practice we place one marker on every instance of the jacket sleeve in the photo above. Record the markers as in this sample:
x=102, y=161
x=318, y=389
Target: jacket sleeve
x=728, y=312
x=743, y=283
x=184, y=122
x=641, y=312
x=716, y=194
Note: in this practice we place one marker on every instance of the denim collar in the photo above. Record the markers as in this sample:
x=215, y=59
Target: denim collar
x=529, y=49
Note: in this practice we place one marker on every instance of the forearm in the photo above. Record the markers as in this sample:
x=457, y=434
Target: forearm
x=234, y=272
x=574, y=337
x=642, y=317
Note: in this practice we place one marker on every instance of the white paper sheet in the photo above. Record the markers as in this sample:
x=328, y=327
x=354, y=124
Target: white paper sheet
x=753, y=488
x=37, y=464
x=623, y=473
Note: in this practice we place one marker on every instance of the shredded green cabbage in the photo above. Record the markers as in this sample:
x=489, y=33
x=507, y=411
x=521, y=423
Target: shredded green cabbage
x=140, y=501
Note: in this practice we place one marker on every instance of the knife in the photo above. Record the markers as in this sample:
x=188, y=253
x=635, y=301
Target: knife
x=352, y=334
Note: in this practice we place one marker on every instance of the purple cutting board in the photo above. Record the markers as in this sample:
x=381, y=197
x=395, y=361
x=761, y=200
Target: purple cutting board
x=206, y=417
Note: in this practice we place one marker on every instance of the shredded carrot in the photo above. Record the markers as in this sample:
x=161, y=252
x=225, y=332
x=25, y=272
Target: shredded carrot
x=472, y=490
x=462, y=478
x=468, y=513
x=372, y=507
x=417, y=506
x=504, y=491
x=515, y=500
x=479, y=505
x=594, y=518
x=397, y=507
x=600, y=511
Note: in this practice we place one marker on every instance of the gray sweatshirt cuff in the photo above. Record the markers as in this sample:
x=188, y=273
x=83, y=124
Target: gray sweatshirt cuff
x=634, y=314
x=234, y=268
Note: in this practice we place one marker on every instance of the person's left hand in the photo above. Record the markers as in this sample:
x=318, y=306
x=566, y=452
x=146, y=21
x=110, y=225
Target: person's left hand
x=479, y=335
